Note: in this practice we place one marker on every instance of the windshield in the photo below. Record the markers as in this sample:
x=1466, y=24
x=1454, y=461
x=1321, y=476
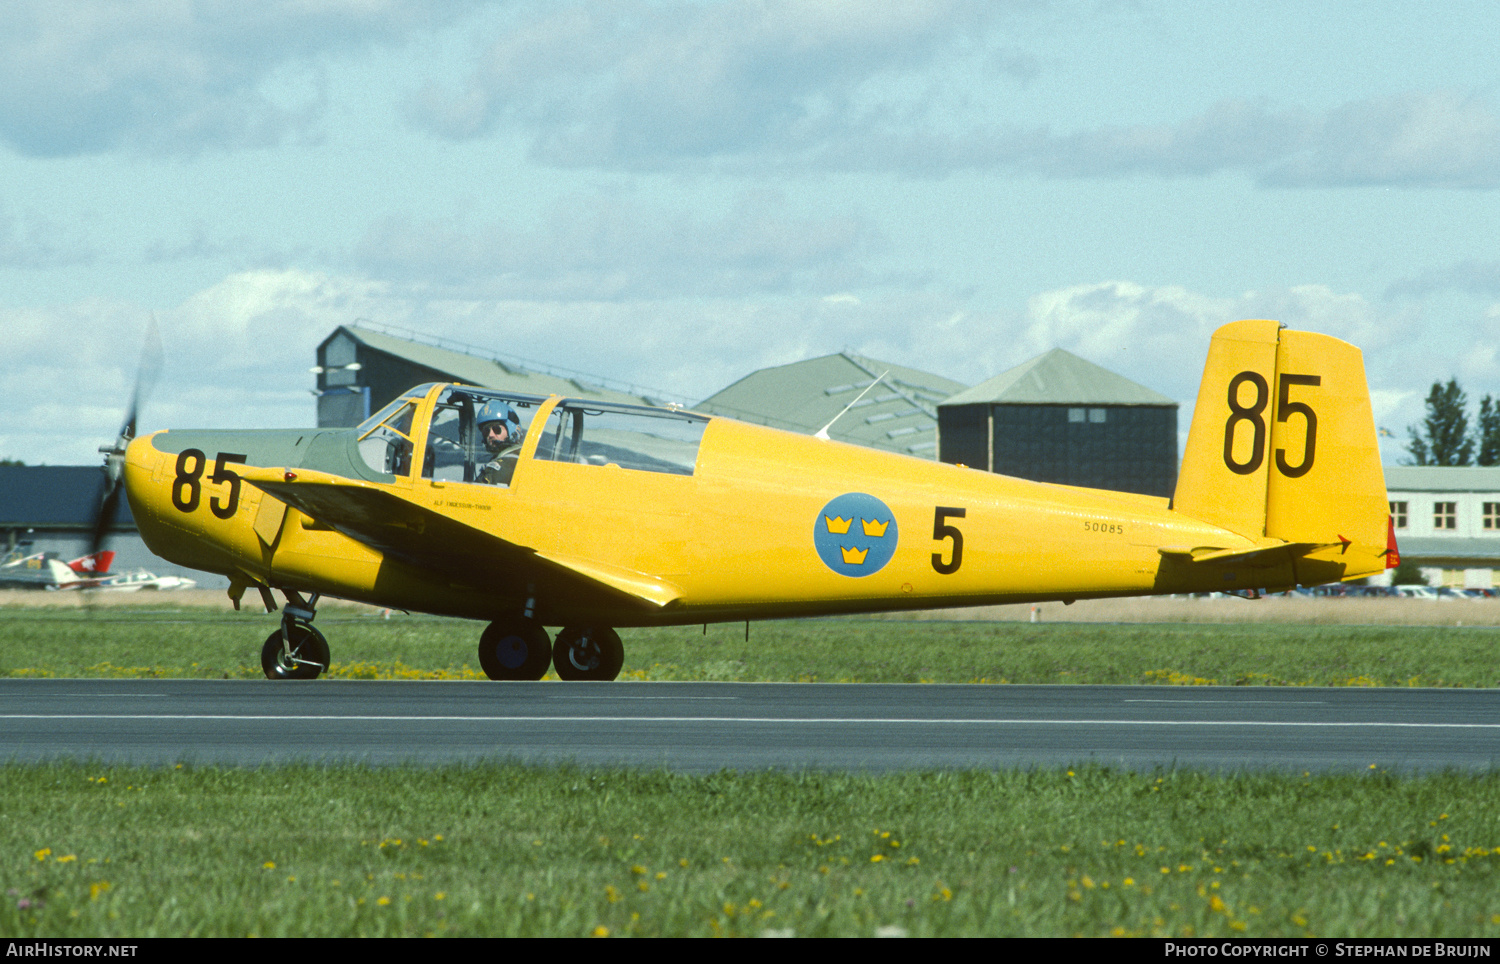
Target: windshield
x=368, y=425
x=386, y=445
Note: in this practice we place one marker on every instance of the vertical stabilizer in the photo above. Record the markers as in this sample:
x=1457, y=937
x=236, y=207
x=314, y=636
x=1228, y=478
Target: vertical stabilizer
x=1283, y=447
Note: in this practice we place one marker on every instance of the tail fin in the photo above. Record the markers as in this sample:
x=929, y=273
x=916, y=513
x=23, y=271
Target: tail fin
x=93, y=564
x=1283, y=447
x=61, y=574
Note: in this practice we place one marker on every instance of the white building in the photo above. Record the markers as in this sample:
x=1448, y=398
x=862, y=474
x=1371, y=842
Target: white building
x=1447, y=522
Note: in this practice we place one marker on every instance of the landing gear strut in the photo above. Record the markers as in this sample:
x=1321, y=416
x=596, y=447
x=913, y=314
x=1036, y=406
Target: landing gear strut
x=588, y=653
x=296, y=650
x=515, y=649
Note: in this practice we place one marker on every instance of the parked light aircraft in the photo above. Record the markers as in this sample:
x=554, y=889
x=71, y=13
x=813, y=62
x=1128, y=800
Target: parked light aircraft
x=138, y=579
x=608, y=515
x=43, y=570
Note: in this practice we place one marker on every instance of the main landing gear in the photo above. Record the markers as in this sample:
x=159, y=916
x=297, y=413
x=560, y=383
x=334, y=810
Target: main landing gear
x=296, y=650
x=517, y=648
x=588, y=653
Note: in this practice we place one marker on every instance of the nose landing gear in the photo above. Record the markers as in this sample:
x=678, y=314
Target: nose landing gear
x=296, y=650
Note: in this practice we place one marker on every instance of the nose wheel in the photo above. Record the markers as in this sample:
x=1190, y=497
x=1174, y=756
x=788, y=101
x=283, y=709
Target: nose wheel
x=515, y=649
x=301, y=654
x=296, y=650
x=588, y=653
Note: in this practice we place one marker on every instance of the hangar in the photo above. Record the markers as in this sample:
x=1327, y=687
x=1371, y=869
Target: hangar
x=1059, y=418
x=898, y=415
x=362, y=366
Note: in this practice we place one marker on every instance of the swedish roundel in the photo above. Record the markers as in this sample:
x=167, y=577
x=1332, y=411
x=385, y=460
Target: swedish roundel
x=855, y=534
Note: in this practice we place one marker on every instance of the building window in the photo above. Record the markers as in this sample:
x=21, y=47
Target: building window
x=1398, y=512
x=1076, y=415
x=1096, y=416
x=1445, y=515
x=1492, y=515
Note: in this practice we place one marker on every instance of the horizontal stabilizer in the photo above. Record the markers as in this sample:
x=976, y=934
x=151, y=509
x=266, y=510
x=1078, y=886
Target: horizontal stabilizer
x=1256, y=556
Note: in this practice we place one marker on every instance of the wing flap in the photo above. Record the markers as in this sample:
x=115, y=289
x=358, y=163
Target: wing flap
x=641, y=585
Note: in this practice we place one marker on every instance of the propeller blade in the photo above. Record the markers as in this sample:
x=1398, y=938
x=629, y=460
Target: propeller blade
x=104, y=518
x=146, y=373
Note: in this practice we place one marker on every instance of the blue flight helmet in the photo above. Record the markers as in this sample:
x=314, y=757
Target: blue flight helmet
x=495, y=410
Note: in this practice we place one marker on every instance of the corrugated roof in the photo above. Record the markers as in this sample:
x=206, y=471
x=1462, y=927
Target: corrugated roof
x=486, y=372
x=1059, y=378
x=1441, y=478
x=898, y=415
x=54, y=496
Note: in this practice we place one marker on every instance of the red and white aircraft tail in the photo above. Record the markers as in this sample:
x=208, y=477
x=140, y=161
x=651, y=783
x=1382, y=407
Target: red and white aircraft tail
x=93, y=564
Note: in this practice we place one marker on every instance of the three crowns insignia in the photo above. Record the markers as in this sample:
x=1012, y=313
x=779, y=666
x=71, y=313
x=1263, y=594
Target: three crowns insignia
x=874, y=528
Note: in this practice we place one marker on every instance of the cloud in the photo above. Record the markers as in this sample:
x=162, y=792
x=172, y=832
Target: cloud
x=35, y=241
x=914, y=88
x=653, y=85
x=89, y=76
x=600, y=247
x=1438, y=139
x=1418, y=139
x=1432, y=139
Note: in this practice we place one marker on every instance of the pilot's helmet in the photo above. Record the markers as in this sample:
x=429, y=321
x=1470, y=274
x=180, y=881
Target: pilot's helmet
x=495, y=410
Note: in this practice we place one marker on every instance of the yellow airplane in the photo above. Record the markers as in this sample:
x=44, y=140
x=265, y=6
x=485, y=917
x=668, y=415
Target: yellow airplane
x=531, y=512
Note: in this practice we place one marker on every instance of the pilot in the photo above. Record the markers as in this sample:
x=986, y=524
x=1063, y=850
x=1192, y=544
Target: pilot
x=500, y=428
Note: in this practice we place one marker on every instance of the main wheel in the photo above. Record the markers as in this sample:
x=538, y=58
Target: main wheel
x=515, y=649
x=588, y=653
x=309, y=654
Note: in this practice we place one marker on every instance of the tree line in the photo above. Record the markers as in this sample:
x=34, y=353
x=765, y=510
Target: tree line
x=1445, y=438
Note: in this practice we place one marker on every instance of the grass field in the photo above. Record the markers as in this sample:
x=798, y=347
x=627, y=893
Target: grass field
x=155, y=638
x=92, y=851
x=88, y=850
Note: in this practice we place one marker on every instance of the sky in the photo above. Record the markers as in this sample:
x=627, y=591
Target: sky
x=674, y=194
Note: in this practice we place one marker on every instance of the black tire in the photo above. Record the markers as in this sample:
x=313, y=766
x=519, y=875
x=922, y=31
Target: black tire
x=515, y=649
x=591, y=653
x=308, y=646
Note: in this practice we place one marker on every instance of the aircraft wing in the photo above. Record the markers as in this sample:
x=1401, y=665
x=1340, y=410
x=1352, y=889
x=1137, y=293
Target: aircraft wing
x=417, y=535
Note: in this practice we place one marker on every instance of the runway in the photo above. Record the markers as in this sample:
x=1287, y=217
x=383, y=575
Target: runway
x=703, y=727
